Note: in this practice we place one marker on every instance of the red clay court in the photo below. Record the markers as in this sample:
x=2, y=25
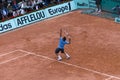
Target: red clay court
x=28, y=53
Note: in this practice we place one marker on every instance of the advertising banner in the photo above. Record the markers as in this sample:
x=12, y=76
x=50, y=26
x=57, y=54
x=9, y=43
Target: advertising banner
x=37, y=16
x=60, y=9
x=30, y=18
x=82, y=3
x=92, y=4
x=7, y=25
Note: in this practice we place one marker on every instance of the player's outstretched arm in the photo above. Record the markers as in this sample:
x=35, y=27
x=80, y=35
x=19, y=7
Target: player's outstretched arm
x=60, y=32
x=66, y=33
x=69, y=39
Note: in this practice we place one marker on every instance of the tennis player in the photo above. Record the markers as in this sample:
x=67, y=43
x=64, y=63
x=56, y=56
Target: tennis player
x=62, y=42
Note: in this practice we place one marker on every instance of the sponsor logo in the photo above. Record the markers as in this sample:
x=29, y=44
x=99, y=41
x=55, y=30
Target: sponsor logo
x=61, y=9
x=5, y=26
x=82, y=4
x=30, y=18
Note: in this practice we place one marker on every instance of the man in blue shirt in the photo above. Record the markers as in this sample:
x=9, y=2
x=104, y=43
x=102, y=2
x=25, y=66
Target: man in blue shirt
x=62, y=43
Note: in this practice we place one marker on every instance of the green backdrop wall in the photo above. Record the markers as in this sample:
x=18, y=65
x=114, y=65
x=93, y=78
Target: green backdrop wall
x=107, y=5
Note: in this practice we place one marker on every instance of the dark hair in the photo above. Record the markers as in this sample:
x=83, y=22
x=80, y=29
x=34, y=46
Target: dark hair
x=64, y=38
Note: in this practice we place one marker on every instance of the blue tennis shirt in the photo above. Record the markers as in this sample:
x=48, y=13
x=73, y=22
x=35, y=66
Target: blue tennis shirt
x=62, y=43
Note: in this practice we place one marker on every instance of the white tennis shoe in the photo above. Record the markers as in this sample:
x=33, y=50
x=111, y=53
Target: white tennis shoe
x=59, y=58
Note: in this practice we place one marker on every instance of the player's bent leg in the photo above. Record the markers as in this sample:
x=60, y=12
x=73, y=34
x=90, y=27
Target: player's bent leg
x=59, y=58
x=67, y=55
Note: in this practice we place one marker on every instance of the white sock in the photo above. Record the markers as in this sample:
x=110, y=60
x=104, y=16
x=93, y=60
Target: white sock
x=67, y=55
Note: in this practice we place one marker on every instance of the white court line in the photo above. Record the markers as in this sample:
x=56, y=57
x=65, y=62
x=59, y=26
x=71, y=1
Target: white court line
x=69, y=64
x=13, y=59
x=8, y=53
x=109, y=78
